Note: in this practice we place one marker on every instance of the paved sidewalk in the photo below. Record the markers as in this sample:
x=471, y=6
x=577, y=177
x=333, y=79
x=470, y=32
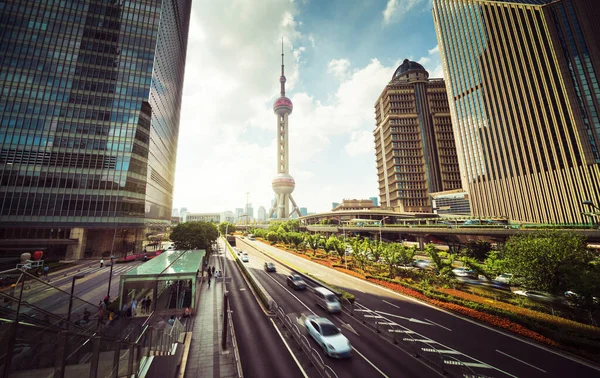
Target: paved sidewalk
x=206, y=358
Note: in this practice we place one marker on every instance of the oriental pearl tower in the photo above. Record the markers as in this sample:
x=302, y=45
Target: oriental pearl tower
x=283, y=184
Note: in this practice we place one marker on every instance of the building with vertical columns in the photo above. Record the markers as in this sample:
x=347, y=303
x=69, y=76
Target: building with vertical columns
x=522, y=82
x=89, y=118
x=414, y=141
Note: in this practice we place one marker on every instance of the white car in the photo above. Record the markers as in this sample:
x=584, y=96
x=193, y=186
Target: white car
x=504, y=278
x=328, y=336
x=463, y=272
x=245, y=257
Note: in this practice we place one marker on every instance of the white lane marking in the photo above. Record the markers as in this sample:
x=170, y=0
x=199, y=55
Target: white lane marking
x=386, y=323
x=391, y=304
x=362, y=310
x=469, y=364
x=444, y=351
x=370, y=363
x=400, y=331
x=515, y=358
x=413, y=320
x=289, y=349
x=439, y=325
x=428, y=341
x=359, y=290
x=374, y=316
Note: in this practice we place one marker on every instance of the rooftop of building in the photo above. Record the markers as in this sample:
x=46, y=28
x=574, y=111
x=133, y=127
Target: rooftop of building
x=170, y=263
x=405, y=67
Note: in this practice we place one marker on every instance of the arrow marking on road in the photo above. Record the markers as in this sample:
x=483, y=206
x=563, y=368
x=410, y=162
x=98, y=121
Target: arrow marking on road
x=402, y=317
x=349, y=328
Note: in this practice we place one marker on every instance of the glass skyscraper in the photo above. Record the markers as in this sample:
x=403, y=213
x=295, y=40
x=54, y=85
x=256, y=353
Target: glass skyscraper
x=522, y=81
x=89, y=119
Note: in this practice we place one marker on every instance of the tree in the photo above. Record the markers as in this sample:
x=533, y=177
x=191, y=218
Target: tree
x=313, y=242
x=375, y=248
x=551, y=261
x=194, y=235
x=226, y=227
x=295, y=239
x=478, y=250
x=272, y=237
x=444, y=267
x=495, y=264
x=338, y=246
x=293, y=225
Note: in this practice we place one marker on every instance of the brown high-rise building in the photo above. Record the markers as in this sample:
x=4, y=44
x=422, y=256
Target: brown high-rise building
x=522, y=80
x=414, y=141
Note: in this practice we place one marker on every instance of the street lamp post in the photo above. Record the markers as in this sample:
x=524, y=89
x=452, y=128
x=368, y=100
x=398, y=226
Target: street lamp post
x=112, y=262
x=75, y=278
x=382, y=221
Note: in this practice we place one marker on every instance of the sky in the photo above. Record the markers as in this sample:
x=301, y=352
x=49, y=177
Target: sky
x=339, y=56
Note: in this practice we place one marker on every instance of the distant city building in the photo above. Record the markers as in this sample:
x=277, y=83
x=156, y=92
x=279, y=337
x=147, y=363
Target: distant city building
x=89, y=121
x=454, y=202
x=334, y=205
x=375, y=200
x=414, y=141
x=355, y=204
x=522, y=79
x=250, y=212
x=175, y=212
x=228, y=216
x=239, y=214
x=262, y=214
x=204, y=217
x=303, y=211
x=182, y=212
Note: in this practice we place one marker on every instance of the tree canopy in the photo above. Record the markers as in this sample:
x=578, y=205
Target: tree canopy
x=226, y=228
x=194, y=235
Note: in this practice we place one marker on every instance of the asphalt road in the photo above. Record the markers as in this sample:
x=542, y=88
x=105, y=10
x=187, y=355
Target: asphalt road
x=262, y=351
x=372, y=355
x=89, y=290
x=488, y=351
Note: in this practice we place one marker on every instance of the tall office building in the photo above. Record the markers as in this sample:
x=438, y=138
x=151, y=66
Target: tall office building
x=250, y=212
x=414, y=142
x=261, y=215
x=375, y=200
x=89, y=119
x=522, y=80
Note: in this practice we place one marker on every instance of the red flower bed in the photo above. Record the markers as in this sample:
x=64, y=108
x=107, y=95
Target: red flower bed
x=478, y=315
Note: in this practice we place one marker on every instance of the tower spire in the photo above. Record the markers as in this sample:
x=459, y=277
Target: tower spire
x=282, y=78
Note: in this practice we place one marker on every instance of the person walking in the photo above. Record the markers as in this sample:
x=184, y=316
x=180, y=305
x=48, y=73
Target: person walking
x=209, y=282
x=148, y=305
x=133, y=307
x=143, y=304
x=46, y=269
x=101, y=263
x=124, y=311
x=213, y=270
x=106, y=301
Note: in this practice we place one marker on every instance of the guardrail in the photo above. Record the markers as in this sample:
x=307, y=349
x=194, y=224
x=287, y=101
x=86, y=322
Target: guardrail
x=236, y=353
x=410, y=341
x=313, y=355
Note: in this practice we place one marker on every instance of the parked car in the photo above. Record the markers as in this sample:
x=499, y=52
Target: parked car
x=296, y=282
x=245, y=257
x=463, y=272
x=504, y=278
x=270, y=267
x=328, y=336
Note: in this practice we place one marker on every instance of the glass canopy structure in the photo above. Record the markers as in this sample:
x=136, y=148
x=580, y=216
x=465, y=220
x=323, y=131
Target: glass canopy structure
x=169, y=280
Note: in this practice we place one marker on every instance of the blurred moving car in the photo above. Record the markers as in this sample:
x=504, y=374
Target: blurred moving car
x=270, y=267
x=328, y=336
x=245, y=257
x=541, y=296
x=327, y=300
x=463, y=272
x=421, y=264
x=504, y=278
x=296, y=282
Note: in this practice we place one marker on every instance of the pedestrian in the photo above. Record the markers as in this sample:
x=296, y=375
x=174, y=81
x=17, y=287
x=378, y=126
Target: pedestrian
x=148, y=305
x=220, y=273
x=213, y=270
x=106, y=300
x=124, y=310
x=209, y=282
x=101, y=305
x=100, y=316
x=133, y=307
x=143, y=303
x=46, y=269
x=101, y=263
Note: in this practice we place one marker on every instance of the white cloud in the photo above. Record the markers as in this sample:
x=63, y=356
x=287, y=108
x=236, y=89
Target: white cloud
x=395, y=9
x=435, y=50
x=361, y=143
x=338, y=67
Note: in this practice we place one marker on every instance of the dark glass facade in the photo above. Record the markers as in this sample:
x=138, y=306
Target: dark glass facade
x=522, y=80
x=89, y=112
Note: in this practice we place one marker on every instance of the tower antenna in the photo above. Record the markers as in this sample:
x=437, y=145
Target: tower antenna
x=282, y=78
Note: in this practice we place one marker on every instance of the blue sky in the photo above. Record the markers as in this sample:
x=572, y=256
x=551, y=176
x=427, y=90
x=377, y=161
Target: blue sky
x=340, y=54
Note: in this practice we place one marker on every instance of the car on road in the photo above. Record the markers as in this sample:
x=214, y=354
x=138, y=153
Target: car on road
x=541, y=296
x=421, y=264
x=245, y=257
x=327, y=300
x=296, y=282
x=328, y=336
x=463, y=272
x=270, y=267
x=504, y=278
